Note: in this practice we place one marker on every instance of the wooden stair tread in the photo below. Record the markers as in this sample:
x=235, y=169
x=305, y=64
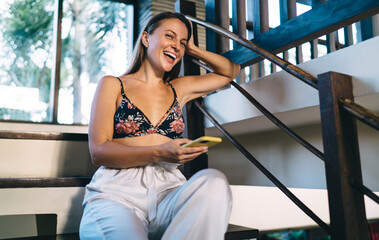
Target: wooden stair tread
x=240, y=232
x=234, y=232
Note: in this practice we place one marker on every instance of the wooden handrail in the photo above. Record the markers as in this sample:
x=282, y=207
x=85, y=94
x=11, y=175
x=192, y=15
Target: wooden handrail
x=44, y=182
x=363, y=114
x=43, y=135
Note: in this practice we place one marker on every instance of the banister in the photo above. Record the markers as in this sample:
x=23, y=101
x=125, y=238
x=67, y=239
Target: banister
x=270, y=116
x=285, y=65
x=366, y=116
x=277, y=122
x=267, y=173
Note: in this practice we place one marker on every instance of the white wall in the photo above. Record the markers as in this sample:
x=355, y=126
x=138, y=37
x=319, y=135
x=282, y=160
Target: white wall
x=268, y=209
x=294, y=101
x=44, y=158
x=288, y=160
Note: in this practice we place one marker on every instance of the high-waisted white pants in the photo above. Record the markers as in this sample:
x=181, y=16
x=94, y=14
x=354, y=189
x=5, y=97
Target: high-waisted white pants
x=195, y=209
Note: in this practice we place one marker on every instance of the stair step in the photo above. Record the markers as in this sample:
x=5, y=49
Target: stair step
x=239, y=232
x=67, y=236
x=234, y=233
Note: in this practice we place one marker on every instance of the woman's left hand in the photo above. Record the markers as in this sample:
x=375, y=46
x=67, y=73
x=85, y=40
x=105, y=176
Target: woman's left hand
x=191, y=47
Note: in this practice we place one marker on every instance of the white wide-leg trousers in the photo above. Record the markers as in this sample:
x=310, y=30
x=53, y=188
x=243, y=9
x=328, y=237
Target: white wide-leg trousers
x=199, y=209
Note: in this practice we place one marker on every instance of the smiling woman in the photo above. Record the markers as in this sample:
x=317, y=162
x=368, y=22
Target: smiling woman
x=135, y=136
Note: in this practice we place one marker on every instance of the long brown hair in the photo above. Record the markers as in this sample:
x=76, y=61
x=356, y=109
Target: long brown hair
x=140, y=50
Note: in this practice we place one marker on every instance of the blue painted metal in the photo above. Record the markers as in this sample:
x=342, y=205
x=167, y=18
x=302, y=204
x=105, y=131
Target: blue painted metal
x=324, y=18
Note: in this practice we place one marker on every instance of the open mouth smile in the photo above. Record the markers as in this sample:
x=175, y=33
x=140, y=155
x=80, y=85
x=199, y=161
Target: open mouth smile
x=170, y=55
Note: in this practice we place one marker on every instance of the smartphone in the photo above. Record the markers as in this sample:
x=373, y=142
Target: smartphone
x=203, y=141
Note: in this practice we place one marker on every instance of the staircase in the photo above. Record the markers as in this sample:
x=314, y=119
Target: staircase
x=52, y=199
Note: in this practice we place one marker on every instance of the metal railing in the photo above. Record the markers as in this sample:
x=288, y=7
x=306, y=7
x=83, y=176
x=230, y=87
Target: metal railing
x=266, y=172
x=366, y=116
x=270, y=116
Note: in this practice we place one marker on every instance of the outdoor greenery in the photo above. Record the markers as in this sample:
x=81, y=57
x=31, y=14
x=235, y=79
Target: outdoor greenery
x=27, y=48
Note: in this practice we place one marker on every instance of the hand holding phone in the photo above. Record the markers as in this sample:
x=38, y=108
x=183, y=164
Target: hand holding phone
x=203, y=141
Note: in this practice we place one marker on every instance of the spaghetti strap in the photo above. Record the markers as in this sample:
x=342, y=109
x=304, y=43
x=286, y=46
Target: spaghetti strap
x=173, y=89
x=122, y=89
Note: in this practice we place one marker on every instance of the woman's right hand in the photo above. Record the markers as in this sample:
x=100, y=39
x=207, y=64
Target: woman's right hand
x=173, y=152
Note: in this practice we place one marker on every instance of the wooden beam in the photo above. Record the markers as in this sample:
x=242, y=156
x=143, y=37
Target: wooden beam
x=330, y=43
x=43, y=135
x=348, y=34
x=321, y=20
x=314, y=49
x=342, y=164
x=193, y=117
x=43, y=182
x=55, y=77
x=217, y=12
x=239, y=27
x=365, y=29
x=239, y=18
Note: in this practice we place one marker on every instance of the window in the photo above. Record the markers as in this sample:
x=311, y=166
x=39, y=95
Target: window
x=26, y=35
x=96, y=40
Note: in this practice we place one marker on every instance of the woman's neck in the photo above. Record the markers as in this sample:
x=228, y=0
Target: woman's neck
x=149, y=74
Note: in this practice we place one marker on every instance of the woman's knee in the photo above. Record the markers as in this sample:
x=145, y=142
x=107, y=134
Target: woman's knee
x=107, y=219
x=211, y=177
x=213, y=183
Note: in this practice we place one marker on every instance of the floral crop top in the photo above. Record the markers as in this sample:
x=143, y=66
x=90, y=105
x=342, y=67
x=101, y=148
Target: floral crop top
x=130, y=121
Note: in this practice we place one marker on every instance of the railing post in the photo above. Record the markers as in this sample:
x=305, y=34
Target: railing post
x=342, y=162
x=193, y=117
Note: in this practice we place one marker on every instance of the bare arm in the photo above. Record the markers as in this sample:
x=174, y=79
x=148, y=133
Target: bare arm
x=106, y=152
x=224, y=71
x=219, y=64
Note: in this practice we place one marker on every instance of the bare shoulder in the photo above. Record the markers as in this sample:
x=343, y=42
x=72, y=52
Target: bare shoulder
x=109, y=80
x=181, y=82
x=182, y=86
x=108, y=86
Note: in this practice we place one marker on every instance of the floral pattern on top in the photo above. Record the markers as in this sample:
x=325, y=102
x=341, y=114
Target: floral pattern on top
x=130, y=121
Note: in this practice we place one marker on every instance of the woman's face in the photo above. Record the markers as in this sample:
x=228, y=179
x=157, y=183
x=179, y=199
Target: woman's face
x=166, y=45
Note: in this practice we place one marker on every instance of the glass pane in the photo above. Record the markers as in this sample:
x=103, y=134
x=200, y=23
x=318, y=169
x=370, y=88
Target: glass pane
x=274, y=13
x=302, y=8
x=292, y=56
x=321, y=48
x=96, y=41
x=341, y=36
x=306, y=50
x=26, y=36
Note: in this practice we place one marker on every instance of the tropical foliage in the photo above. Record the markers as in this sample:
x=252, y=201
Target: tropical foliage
x=26, y=48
